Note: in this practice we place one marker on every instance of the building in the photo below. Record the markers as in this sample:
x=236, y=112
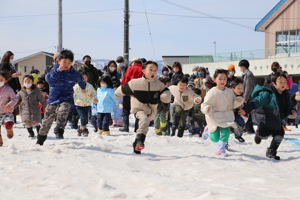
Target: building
x=38, y=61
x=282, y=29
x=169, y=60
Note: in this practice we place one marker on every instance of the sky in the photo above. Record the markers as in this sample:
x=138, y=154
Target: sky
x=95, y=27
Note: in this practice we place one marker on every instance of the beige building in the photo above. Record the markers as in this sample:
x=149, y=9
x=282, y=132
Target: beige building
x=38, y=61
x=282, y=29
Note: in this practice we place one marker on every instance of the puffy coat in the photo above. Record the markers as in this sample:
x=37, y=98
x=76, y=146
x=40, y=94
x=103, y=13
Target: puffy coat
x=106, y=100
x=145, y=95
x=29, y=105
x=62, y=83
x=133, y=72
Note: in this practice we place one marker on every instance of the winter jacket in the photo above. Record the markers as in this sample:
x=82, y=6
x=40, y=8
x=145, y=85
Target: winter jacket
x=249, y=84
x=84, y=99
x=62, y=83
x=115, y=78
x=145, y=95
x=29, y=105
x=270, y=107
x=176, y=77
x=218, y=108
x=92, y=73
x=7, y=97
x=184, y=99
x=14, y=83
x=132, y=72
x=106, y=100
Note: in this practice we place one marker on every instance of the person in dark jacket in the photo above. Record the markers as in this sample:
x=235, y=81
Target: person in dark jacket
x=177, y=73
x=92, y=72
x=112, y=72
x=249, y=84
x=7, y=66
x=61, y=79
x=272, y=105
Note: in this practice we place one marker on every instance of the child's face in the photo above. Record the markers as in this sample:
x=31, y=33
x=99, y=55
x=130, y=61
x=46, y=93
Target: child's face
x=238, y=90
x=221, y=80
x=175, y=69
x=27, y=81
x=85, y=77
x=182, y=86
x=281, y=84
x=150, y=72
x=40, y=85
x=65, y=63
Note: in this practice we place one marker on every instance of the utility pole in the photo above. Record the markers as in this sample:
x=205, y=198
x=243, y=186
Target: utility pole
x=126, y=32
x=60, y=32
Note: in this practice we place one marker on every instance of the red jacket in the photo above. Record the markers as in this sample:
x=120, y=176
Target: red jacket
x=133, y=72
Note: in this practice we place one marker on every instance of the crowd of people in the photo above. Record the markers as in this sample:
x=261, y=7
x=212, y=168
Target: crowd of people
x=206, y=105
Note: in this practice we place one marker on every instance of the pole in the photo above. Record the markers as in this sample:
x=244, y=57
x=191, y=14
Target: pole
x=60, y=33
x=126, y=32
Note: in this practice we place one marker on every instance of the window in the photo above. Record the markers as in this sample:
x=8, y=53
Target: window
x=288, y=41
x=32, y=68
x=25, y=69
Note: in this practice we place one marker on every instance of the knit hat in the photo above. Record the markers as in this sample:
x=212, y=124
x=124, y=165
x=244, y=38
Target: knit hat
x=231, y=67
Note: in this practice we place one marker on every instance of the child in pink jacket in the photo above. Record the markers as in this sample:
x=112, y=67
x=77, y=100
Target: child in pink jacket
x=8, y=100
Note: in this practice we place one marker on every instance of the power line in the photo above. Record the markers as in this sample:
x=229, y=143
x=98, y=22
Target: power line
x=149, y=29
x=54, y=14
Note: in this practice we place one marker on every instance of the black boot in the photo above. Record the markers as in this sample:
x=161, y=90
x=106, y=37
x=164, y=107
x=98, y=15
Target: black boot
x=38, y=129
x=59, y=133
x=126, y=124
x=257, y=138
x=240, y=139
x=41, y=139
x=173, y=131
x=85, y=132
x=272, y=150
x=138, y=144
x=31, y=133
x=271, y=153
x=180, y=131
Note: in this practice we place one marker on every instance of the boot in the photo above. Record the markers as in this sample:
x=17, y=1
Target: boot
x=257, y=138
x=38, y=129
x=126, y=124
x=41, y=139
x=85, y=132
x=1, y=140
x=173, y=131
x=180, y=131
x=240, y=139
x=79, y=132
x=59, y=133
x=138, y=144
x=31, y=133
x=271, y=153
x=10, y=133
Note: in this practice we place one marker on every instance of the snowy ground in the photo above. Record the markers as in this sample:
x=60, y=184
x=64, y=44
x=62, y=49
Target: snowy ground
x=170, y=168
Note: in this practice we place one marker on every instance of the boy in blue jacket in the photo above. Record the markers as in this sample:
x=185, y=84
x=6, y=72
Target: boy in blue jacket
x=61, y=79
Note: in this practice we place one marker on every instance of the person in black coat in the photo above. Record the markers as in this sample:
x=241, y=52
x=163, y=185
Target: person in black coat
x=177, y=73
x=112, y=72
x=8, y=67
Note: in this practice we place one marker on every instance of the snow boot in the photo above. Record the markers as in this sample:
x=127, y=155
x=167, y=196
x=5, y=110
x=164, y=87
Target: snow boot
x=41, y=139
x=31, y=133
x=257, y=138
x=271, y=153
x=126, y=124
x=59, y=133
x=180, y=132
x=138, y=144
x=85, y=132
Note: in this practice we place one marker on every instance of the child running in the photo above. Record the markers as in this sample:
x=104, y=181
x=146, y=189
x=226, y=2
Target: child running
x=8, y=100
x=30, y=97
x=218, y=107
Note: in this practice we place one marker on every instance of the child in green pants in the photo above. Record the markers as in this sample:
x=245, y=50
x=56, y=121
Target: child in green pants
x=218, y=107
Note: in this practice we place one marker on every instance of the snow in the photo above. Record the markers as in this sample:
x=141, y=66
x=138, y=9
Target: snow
x=104, y=167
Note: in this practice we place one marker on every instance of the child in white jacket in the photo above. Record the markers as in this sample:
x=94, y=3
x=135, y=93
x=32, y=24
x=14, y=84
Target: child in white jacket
x=218, y=107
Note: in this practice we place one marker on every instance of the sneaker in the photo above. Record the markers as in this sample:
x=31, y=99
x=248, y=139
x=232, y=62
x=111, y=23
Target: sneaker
x=221, y=152
x=105, y=132
x=240, y=139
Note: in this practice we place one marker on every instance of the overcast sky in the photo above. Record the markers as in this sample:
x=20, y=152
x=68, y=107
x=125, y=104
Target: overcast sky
x=95, y=27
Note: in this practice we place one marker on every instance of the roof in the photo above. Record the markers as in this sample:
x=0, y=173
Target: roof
x=33, y=55
x=273, y=14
